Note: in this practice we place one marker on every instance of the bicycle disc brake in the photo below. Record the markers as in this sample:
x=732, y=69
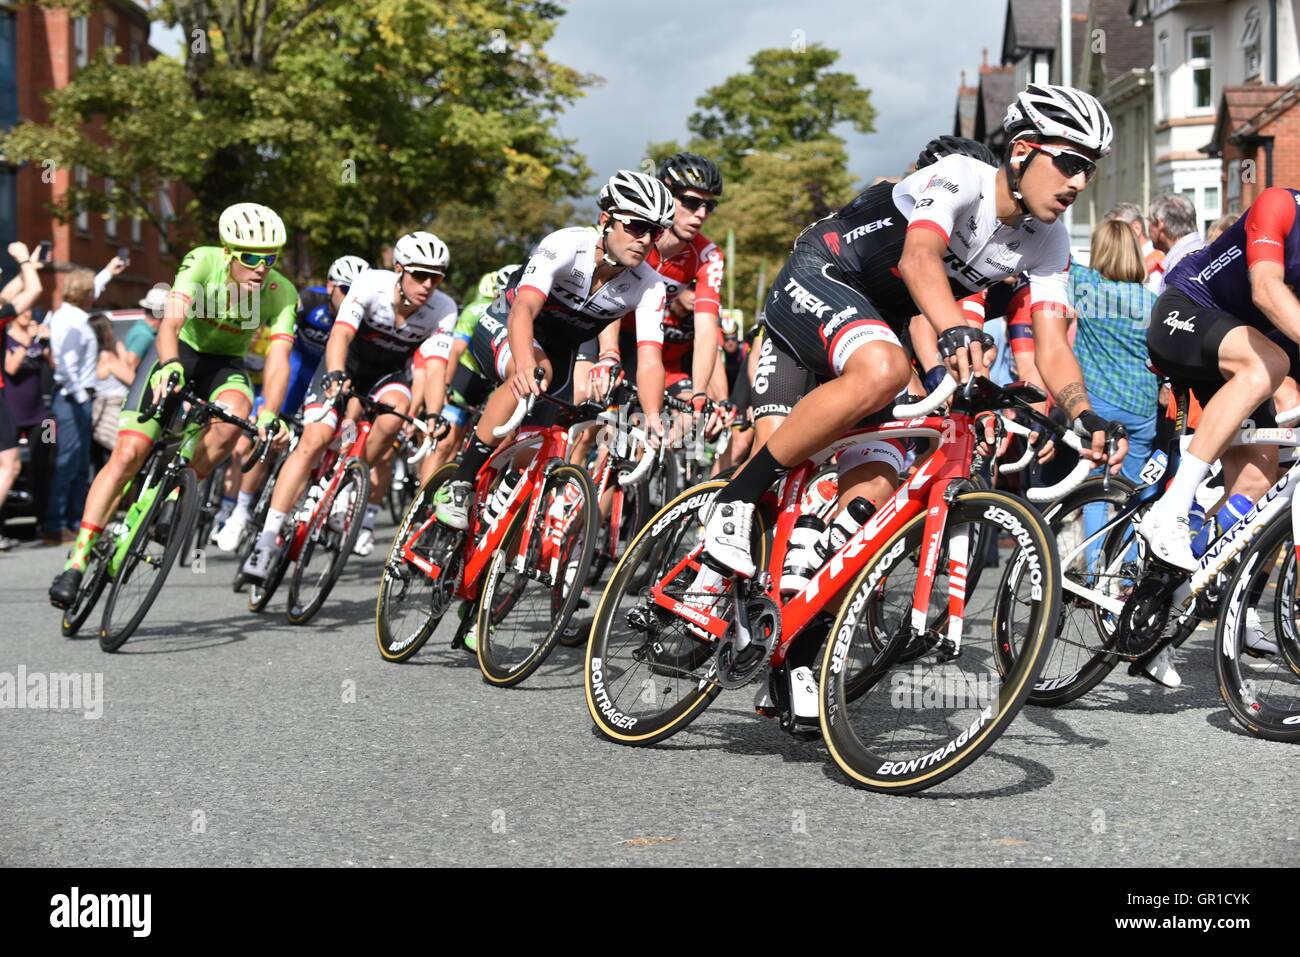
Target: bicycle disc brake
x=737, y=669
x=1146, y=613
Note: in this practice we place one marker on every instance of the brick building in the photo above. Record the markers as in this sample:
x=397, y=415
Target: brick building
x=41, y=49
x=1257, y=137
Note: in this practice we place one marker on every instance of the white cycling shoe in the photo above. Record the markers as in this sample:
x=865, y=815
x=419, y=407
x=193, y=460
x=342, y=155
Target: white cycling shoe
x=365, y=543
x=258, y=562
x=726, y=537
x=228, y=538
x=1161, y=670
x=1169, y=537
x=1257, y=641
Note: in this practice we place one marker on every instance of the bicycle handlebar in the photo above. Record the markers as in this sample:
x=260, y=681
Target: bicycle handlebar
x=1288, y=417
x=931, y=402
x=1050, y=493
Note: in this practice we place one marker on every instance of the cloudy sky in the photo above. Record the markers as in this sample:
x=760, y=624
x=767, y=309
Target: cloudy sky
x=655, y=63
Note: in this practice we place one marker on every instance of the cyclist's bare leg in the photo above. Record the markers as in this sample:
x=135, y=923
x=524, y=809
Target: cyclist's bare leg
x=875, y=481
x=1254, y=368
x=105, y=491
x=379, y=444
x=298, y=466
x=220, y=438
x=1249, y=470
x=442, y=453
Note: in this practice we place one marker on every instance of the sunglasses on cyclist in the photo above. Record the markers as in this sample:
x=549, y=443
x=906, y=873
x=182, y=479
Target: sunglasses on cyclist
x=253, y=260
x=692, y=203
x=636, y=228
x=422, y=276
x=1068, y=163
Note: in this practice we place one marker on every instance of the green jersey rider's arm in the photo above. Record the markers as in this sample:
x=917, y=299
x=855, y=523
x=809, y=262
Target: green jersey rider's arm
x=169, y=330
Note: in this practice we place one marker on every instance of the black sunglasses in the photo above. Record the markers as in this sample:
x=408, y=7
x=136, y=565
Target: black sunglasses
x=636, y=228
x=421, y=276
x=692, y=203
x=1067, y=163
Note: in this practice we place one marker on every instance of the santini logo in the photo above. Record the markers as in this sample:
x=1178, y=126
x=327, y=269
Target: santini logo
x=103, y=910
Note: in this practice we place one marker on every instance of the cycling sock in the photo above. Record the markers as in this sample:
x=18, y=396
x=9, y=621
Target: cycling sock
x=754, y=479
x=87, y=535
x=475, y=455
x=223, y=513
x=372, y=513
x=1181, y=493
x=245, y=500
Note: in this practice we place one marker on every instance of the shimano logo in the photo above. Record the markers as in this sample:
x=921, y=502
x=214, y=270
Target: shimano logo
x=805, y=301
x=855, y=234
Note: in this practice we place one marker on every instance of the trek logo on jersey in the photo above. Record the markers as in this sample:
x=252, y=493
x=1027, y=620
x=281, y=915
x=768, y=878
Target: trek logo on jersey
x=832, y=241
x=941, y=183
x=969, y=273
x=853, y=235
x=714, y=273
x=1220, y=263
x=805, y=301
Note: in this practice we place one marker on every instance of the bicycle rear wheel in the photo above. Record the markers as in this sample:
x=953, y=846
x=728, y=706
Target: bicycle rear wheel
x=524, y=609
x=410, y=604
x=150, y=557
x=901, y=711
x=330, y=538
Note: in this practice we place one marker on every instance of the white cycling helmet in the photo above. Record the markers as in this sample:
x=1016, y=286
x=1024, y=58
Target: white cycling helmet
x=252, y=227
x=638, y=195
x=1060, y=112
x=492, y=283
x=346, y=269
x=422, y=249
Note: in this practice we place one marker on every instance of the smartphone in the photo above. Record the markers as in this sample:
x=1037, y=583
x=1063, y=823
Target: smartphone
x=45, y=250
x=124, y=254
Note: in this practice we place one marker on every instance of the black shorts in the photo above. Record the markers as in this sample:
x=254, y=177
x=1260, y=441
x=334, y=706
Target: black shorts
x=8, y=431
x=819, y=318
x=372, y=381
x=490, y=347
x=206, y=374
x=779, y=381
x=1183, y=341
x=470, y=386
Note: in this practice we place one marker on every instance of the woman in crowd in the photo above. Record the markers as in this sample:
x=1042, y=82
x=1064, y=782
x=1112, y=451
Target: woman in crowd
x=113, y=377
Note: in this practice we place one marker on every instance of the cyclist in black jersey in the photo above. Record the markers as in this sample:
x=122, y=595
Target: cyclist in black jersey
x=855, y=279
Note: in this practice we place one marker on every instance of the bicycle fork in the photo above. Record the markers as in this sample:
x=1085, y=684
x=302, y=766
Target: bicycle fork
x=936, y=521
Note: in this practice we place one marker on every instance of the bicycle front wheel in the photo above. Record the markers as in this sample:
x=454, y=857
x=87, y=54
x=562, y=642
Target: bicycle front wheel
x=330, y=539
x=903, y=710
x=92, y=586
x=155, y=543
x=529, y=597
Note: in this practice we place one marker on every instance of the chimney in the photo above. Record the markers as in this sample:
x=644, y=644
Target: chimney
x=984, y=66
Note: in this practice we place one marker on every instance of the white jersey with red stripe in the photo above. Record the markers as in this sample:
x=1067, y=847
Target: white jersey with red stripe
x=956, y=197
x=383, y=342
x=561, y=268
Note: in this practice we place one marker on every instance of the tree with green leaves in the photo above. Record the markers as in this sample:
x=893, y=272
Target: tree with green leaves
x=356, y=121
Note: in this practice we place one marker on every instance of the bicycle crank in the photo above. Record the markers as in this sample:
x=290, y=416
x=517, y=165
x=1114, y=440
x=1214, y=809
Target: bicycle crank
x=1146, y=613
x=735, y=669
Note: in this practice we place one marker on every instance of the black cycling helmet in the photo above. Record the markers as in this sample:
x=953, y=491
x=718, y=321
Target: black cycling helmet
x=691, y=171
x=943, y=146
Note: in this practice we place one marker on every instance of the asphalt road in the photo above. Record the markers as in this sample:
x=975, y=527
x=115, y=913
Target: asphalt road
x=232, y=739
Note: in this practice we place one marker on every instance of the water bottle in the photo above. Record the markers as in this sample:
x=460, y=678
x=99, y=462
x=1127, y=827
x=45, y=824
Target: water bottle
x=846, y=523
x=496, y=503
x=1196, y=518
x=347, y=434
x=819, y=497
x=802, y=558
x=1232, y=512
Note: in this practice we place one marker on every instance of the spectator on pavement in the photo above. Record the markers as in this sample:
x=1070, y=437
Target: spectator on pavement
x=1153, y=258
x=113, y=378
x=16, y=297
x=1219, y=225
x=76, y=355
x=27, y=364
x=140, y=337
x=1173, y=230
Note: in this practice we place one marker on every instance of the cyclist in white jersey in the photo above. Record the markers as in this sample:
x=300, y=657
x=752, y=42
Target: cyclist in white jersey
x=386, y=316
x=578, y=283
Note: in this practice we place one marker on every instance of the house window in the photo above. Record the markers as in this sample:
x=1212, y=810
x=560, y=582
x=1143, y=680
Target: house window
x=1250, y=43
x=110, y=217
x=1162, y=71
x=135, y=220
x=110, y=30
x=135, y=53
x=81, y=41
x=1234, y=186
x=1200, y=61
x=82, y=177
x=165, y=215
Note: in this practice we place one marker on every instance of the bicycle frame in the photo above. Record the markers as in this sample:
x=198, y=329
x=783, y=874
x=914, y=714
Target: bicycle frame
x=926, y=490
x=335, y=462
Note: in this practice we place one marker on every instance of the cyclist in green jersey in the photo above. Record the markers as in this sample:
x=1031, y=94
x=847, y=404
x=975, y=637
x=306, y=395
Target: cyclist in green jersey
x=466, y=387
x=222, y=296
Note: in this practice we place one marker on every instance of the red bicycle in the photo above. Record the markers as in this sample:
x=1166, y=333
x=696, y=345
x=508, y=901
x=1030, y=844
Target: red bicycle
x=326, y=525
x=912, y=680
x=520, y=569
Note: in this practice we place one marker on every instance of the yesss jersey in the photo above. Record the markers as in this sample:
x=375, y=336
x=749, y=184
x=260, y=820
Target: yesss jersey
x=955, y=198
x=561, y=269
x=1218, y=276
x=381, y=343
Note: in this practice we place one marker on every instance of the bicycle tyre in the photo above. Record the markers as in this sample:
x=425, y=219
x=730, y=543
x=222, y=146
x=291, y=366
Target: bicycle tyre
x=92, y=587
x=355, y=473
x=860, y=760
x=112, y=637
